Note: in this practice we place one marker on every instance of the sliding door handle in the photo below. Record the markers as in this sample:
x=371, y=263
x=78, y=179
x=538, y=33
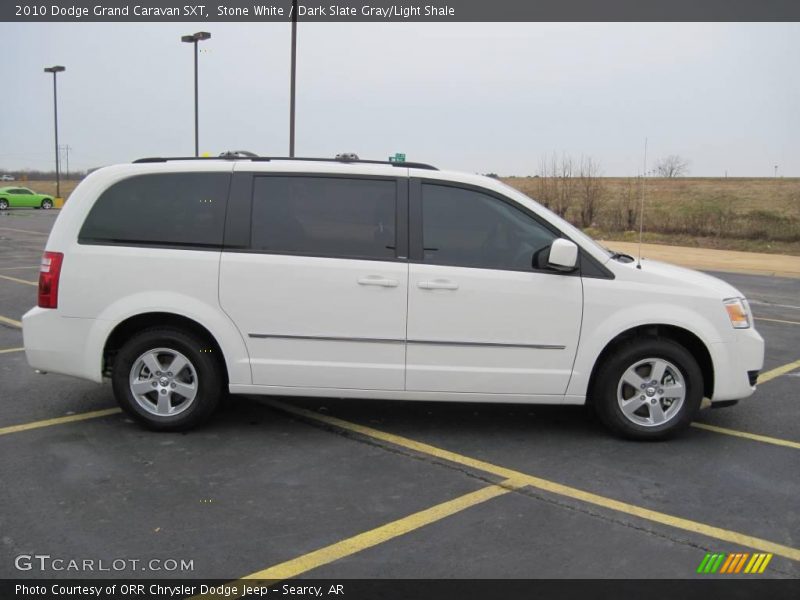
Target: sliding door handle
x=377, y=280
x=438, y=284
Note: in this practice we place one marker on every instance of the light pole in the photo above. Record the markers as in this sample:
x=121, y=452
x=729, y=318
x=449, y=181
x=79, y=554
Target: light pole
x=193, y=39
x=55, y=70
x=292, y=78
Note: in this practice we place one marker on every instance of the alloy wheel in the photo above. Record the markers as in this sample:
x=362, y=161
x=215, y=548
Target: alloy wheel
x=163, y=382
x=651, y=392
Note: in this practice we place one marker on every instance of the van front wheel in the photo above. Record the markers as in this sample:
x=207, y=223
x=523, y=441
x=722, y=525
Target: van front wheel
x=162, y=379
x=648, y=389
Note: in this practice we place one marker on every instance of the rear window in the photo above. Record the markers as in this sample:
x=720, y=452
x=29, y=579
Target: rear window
x=171, y=209
x=325, y=216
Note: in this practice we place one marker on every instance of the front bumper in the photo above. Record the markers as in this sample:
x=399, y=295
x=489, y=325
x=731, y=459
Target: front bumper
x=736, y=365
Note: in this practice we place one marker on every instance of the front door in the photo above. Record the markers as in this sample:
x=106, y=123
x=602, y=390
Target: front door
x=482, y=319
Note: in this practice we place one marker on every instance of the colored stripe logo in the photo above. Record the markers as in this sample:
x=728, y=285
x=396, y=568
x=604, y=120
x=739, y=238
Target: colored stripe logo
x=734, y=563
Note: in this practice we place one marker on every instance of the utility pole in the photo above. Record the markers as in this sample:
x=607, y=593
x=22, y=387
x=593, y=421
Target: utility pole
x=55, y=70
x=194, y=39
x=292, y=78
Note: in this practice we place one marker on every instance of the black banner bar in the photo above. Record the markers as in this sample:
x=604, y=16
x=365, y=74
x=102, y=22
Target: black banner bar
x=729, y=588
x=398, y=11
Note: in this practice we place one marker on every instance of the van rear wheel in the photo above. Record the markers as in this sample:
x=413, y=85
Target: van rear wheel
x=649, y=389
x=163, y=380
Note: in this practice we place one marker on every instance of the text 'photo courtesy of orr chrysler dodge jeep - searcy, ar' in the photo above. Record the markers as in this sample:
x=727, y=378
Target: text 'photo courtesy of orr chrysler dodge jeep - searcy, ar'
x=184, y=279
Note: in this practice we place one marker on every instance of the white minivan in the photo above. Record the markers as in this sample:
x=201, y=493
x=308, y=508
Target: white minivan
x=181, y=279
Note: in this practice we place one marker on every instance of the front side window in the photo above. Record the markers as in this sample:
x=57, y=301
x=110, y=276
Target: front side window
x=465, y=228
x=180, y=209
x=324, y=216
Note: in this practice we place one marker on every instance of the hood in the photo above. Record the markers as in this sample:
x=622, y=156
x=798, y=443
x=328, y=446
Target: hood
x=686, y=277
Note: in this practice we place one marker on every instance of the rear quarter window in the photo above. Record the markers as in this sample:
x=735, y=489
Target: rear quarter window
x=169, y=209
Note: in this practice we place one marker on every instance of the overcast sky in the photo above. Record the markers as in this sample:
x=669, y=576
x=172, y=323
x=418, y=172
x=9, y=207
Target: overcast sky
x=479, y=97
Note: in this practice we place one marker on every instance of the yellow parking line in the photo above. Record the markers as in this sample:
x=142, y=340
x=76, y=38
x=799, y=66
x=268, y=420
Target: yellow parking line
x=777, y=320
x=25, y=281
x=7, y=350
x=778, y=371
x=59, y=420
x=750, y=436
x=384, y=533
x=11, y=322
x=552, y=487
x=368, y=539
x=24, y=231
x=19, y=268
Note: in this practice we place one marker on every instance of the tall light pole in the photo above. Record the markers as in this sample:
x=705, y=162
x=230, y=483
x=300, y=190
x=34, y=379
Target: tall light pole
x=292, y=78
x=193, y=39
x=55, y=70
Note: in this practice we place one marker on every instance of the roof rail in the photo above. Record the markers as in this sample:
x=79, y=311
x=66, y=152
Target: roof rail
x=239, y=156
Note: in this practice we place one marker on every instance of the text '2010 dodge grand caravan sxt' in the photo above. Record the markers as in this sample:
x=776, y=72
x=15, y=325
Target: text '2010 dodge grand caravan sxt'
x=180, y=279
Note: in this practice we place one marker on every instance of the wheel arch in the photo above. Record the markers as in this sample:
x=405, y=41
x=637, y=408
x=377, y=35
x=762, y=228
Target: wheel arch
x=132, y=325
x=684, y=337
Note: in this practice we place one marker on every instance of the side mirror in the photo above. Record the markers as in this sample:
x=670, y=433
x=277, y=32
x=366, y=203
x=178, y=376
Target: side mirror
x=563, y=255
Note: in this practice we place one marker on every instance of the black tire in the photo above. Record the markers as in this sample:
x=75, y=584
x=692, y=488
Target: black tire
x=610, y=392
x=47, y=204
x=3, y=204
x=204, y=373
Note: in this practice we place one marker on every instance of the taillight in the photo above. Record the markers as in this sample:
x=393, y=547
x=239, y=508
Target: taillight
x=49, y=273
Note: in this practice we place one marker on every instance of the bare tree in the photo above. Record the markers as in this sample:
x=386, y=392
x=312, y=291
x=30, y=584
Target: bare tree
x=544, y=184
x=570, y=187
x=629, y=204
x=563, y=177
x=555, y=183
x=672, y=166
x=590, y=188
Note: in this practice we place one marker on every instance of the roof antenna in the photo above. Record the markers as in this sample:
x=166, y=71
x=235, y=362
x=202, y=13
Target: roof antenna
x=641, y=210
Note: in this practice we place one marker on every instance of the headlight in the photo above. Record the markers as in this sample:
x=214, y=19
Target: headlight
x=738, y=312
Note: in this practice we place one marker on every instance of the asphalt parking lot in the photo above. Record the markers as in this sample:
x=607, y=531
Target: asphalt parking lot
x=370, y=489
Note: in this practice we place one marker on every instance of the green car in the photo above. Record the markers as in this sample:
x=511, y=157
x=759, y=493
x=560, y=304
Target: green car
x=23, y=197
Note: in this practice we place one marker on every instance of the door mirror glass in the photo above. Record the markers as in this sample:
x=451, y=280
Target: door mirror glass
x=563, y=255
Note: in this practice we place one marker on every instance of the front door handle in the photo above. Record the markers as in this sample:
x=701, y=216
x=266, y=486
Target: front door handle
x=438, y=284
x=377, y=280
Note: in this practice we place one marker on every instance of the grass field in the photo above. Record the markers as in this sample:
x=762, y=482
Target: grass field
x=750, y=214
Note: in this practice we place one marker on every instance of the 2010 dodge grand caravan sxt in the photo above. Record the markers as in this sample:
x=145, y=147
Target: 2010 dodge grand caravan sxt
x=181, y=279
